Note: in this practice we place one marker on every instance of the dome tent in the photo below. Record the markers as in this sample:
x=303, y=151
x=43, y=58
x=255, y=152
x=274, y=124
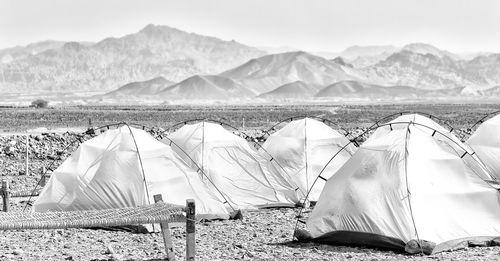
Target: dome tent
x=304, y=148
x=403, y=184
x=446, y=137
x=246, y=178
x=486, y=143
x=125, y=167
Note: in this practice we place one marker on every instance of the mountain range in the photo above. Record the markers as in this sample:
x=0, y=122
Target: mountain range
x=168, y=64
x=152, y=52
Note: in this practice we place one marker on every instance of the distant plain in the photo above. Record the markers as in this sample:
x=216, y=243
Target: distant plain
x=20, y=119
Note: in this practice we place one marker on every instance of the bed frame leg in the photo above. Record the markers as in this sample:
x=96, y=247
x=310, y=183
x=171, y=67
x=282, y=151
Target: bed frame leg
x=5, y=195
x=165, y=231
x=190, y=230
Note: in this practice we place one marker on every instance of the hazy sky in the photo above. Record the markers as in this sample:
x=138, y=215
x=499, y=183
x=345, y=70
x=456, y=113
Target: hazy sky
x=311, y=25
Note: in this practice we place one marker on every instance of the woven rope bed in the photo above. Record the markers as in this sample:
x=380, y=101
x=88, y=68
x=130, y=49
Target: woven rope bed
x=154, y=213
x=25, y=193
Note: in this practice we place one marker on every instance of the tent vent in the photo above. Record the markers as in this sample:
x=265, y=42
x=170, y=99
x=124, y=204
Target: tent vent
x=465, y=153
x=301, y=221
x=322, y=178
x=433, y=133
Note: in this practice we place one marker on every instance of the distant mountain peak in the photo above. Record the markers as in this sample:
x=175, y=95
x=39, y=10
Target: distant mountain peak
x=341, y=61
x=292, y=90
x=152, y=30
x=152, y=51
x=73, y=46
x=424, y=48
x=268, y=72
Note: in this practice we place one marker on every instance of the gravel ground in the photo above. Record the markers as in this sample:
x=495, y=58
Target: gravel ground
x=261, y=235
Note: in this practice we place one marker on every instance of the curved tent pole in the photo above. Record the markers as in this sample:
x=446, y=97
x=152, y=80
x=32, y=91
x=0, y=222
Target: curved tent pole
x=140, y=162
x=305, y=154
x=90, y=131
x=315, y=180
x=203, y=146
x=353, y=141
x=390, y=116
x=174, y=126
x=192, y=160
x=246, y=137
x=407, y=138
x=199, y=169
x=324, y=120
x=483, y=119
x=428, y=115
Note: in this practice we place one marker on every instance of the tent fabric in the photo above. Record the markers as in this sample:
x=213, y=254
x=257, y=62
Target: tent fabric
x=246, y=178
x=106, y=172
x=303, y=148
x=485, y=141
x=408, y=185
x=360, y=239
x=440, y=134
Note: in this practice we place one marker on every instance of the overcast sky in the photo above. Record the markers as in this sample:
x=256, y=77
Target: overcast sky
x=311, y=25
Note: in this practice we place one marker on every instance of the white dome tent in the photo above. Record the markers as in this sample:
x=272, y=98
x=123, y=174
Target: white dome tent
x=486, y=143
x=304, y=147
x=247, y=179
x=409, y=181
x=125, y=167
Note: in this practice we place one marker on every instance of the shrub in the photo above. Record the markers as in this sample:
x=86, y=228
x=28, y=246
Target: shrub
x=39, y=103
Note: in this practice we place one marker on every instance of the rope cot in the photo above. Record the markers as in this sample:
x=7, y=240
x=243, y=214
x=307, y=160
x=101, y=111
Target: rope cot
x=25, y=193
x=159, y=212
x=148, y=214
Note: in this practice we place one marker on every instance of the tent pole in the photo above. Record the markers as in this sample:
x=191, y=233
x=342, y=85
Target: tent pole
x=305, y=155
x=27, y=154
x=203, y=146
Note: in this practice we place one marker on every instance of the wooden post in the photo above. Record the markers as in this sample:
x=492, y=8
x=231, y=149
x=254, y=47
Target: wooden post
x=43, y=178
x=190, y=229
x=165, y=231
x=5, y=195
